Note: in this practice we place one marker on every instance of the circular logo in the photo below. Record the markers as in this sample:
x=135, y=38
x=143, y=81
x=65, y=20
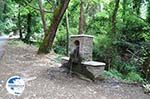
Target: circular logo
x=15, y=85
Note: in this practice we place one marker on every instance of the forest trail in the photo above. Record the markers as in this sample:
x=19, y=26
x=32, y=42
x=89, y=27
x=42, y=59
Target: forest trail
x=45, y=80
x=3, y=40
x=3, y=43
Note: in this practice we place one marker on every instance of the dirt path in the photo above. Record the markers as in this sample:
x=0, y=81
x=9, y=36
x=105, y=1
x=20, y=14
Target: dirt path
x=3, y=40
x=45, y=80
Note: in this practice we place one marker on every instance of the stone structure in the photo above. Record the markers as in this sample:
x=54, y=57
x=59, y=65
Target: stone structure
x=87, y=67
x=86, y=45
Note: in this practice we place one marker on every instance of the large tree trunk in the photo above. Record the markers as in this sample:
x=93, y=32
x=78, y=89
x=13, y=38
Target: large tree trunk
x=42, y=16
x=49, y=37
x=81, y=18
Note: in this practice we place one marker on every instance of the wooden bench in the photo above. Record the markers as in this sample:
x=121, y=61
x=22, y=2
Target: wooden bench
x=95, y=67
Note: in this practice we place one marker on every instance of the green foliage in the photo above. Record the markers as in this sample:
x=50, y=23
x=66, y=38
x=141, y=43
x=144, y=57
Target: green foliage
x=98, y=24
x=102, y=42
x=135, y=30
x=124, y=67
x=148, y=13
x=130, y=77
x=60, y=41
x=7, y=26
x=113, y=74
x=6, y=19
x=134, y=77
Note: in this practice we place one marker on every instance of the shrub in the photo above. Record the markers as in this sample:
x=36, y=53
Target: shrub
x=134, y=77
x=113, y=74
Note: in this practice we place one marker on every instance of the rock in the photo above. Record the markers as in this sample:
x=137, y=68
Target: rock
x=29, y=79
x=147, y=88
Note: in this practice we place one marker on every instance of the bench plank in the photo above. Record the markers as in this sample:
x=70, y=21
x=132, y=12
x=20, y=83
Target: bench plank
x=88, y=63
x=93, y=63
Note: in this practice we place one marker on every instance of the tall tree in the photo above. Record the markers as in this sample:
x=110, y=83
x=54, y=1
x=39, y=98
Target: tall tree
x=19, y=23
x=114, y=15
x=23, y=5
x=2, y=9
x=29, y=30
x=124, y=9
x=113, y=34
x=81, y=18
x=50, y=35
x=67, y=30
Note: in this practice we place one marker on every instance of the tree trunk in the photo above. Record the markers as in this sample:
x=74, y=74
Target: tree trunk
x=49, y=37
x=42, y=16
x=81, y=18
x=114, y=15
x=4, y=10
x=113, y=35
x=148, y=12
x=29, y=31
x=124, y=10
x=67, y=30
x=5, y=7
x=19, y=24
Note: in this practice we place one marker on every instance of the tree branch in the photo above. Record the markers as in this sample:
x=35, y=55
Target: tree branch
x=139, y=17
x=42, y=16
x=39, y=9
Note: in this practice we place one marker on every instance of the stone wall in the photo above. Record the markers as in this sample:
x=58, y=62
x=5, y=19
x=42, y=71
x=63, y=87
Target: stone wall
x=86, y=45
